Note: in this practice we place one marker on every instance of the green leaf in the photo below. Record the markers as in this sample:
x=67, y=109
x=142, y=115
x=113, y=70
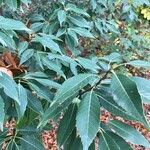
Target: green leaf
x=143, y=86
x=88, y=64
x=74, y=143
x=94, y=4
x=26, y=1
x=65, y=95
x=126, y=95
x=2, y=116
x=73, y=8
x=113, y=57
x=11, y=24
x=42, y=79
x=139, y=63
x=92, y=146
x=38, y=58
x=12, y=4
x=72, y=86
x=30, y=142
x=9, y=86
x=107, y=142
x=2, y=41
x=70, y=42
x=29, y=119
x=22, y=47
x=82, y=32
x=1, y=1
x=73, y=68
x=33, y=75
x=53, y=66
x=79, y=21
x=66, y=125
x=23, y=101
x=26, y=55
x=120, y=141
x=61, y=16
x=69, y=142
x=74, y=36
x=34, y=103
x=41, y=91
x=48, y=83
x=7, y=40
x=88, y=119
x=112, y=26
x=37, y=26
x=66, y=59
x=129, y=133
x=61, y=32
x=27, y=130
x=12, y=145
x=63, y=58
x=109, y=104
x=99, y=27
x=47, y=41
x=3, y=136
x=36, y=17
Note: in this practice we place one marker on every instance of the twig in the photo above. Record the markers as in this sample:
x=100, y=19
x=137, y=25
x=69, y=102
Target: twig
x=92, y=87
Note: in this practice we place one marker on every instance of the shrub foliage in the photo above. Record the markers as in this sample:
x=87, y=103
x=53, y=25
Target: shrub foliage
x=73, y=59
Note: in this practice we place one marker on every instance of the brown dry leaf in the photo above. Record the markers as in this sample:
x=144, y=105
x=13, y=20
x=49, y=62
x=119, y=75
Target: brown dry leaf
x=2, y=64
x=11, y=62
x=9, y=59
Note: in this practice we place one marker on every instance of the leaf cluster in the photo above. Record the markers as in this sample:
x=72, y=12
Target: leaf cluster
x=71, y=59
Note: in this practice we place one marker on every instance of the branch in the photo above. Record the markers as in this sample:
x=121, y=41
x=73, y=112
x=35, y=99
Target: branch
x=92, y=87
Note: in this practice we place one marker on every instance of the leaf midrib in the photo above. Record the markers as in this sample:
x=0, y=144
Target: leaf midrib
x=126, y=94
x=88, y=117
